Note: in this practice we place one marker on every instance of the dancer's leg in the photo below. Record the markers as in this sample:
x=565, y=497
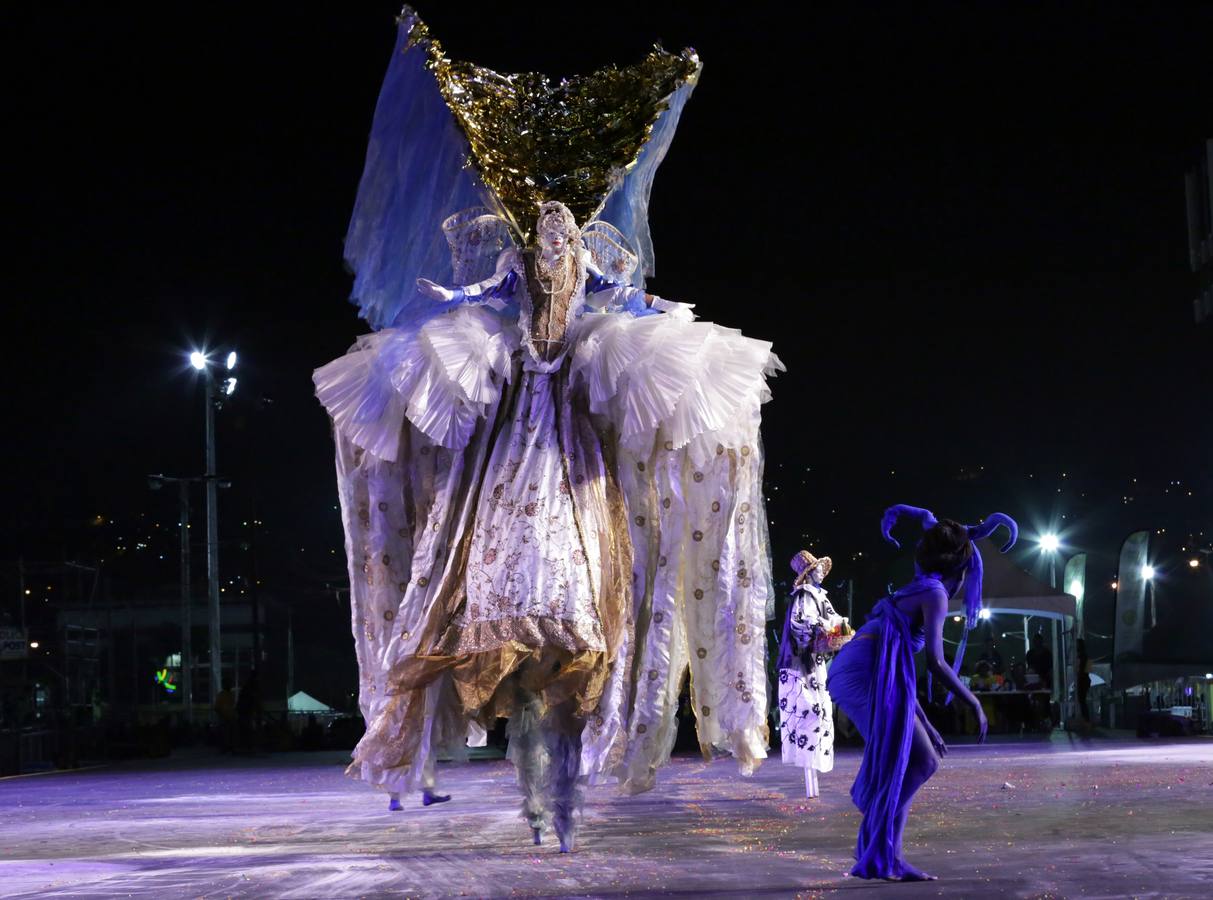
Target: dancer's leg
x=393, y=801
x=810, y=782
x=429, y=782
x=529, y=754
x=923, y=763
x=562, y=732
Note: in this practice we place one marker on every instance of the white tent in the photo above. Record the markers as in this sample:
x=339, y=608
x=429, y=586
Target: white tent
x=305, y=703
x=1008, y=589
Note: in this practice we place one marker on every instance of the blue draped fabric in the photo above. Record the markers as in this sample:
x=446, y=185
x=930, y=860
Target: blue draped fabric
x=874, y=681
x=416, y=174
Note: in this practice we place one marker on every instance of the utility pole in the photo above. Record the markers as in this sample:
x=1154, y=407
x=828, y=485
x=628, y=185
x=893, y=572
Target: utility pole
x=187, y=655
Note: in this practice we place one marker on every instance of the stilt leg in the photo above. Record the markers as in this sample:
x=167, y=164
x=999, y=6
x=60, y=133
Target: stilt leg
x=562, y=732
x=529, y=754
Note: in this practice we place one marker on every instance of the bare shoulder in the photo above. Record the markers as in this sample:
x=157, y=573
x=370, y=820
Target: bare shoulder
x=929, y=597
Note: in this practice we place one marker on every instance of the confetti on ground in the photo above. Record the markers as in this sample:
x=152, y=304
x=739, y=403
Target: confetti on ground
x=1092, y=819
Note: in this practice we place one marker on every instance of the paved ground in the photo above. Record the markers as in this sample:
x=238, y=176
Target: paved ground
x=1106, y=819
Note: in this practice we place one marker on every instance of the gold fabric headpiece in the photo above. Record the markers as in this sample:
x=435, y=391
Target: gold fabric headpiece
x=534, y=140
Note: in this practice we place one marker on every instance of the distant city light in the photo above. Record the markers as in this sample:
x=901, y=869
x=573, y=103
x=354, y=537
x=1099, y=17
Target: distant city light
x=1147, y=572
x=34, y=645
x=229, y=386
x=1049, y=543
x=1115, y=585
x=983, y=614
x=198, y=360
x=955, y=618
x=231, y=360
x=1193, y=563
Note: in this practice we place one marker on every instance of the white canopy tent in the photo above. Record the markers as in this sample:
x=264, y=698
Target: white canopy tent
x=1008, y=589
x=304, y=703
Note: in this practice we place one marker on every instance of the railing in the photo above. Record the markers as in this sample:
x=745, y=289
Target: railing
x=23, y=751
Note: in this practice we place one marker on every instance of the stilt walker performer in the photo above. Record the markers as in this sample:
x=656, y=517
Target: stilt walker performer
x=551, y=479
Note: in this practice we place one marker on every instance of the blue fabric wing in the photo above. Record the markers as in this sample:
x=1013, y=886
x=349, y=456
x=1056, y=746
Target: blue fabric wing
x=415, y=176
x=627, y=207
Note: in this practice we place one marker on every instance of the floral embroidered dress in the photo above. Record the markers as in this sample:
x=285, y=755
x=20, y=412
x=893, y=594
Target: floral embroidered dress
x=806, y=713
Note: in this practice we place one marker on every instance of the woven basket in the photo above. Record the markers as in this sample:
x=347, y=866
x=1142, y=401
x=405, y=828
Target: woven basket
x=830, y=642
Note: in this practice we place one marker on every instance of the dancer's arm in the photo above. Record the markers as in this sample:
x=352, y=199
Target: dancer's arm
x=626, y=298
x=937, y=740
x=492, y=291
x=934, y=612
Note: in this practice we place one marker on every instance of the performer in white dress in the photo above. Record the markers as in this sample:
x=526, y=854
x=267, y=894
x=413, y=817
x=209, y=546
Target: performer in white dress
x=551, y=480
x=805, y=711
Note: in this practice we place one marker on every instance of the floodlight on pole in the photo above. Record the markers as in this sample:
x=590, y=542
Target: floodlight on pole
x=1147, y=574
x=1049, y=545
x=201, y=362
x=983, y=614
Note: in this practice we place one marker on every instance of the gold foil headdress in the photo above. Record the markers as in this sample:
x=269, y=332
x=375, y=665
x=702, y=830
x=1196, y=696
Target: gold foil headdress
x=533, y=139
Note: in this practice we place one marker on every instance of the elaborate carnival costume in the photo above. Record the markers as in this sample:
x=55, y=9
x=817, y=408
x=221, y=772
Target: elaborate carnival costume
x=551, y=495
x=873, y=680
x=812, y=631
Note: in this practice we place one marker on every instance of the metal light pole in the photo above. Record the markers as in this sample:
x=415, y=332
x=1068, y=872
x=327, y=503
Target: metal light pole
x=212, y=542
x=1050, y=544
x=202, y=363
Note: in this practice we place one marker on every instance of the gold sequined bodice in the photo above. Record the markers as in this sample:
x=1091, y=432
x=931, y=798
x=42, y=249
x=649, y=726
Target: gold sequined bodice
x=550, y=299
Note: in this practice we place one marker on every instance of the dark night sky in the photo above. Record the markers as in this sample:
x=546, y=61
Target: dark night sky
x=962, y=225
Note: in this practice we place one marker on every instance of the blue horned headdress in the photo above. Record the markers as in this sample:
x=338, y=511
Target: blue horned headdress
x=973, y=568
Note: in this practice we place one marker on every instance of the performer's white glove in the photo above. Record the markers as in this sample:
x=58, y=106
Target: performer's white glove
x=437, y=292
x=680, y=311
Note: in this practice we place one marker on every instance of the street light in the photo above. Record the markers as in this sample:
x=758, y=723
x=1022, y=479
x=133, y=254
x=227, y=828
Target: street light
x=1049, y=545
x=201, y=362
x=983, y=613
x=1147, y=574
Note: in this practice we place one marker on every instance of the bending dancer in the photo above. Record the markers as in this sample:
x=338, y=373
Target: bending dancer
x=805, y=712
x=551, y=480
x=873, y=680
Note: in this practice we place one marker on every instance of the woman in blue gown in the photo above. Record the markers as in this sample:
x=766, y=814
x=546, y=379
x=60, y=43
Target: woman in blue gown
x=873, y=680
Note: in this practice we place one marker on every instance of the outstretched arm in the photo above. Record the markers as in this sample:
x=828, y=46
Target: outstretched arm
x=492, y=291
x=623, y=297
x=934, y=613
